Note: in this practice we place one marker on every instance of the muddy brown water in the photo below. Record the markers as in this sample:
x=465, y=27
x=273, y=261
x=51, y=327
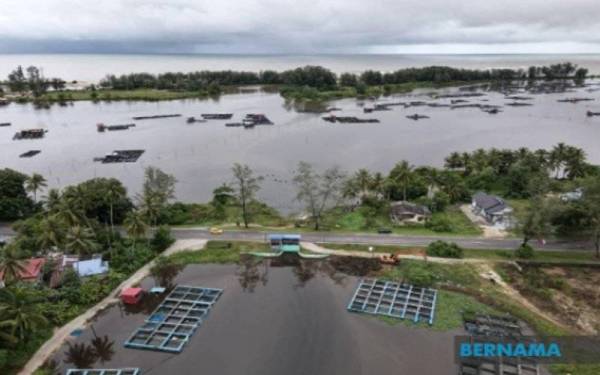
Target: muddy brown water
x=275, y=317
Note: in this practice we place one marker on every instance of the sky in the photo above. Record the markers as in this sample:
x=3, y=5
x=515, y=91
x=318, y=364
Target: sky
x=300, y=26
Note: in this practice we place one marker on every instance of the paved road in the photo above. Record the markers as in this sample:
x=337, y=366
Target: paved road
x=376, y=239
x=386, y=239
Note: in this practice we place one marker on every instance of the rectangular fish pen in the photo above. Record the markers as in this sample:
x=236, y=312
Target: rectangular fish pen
x=175, y=320
x=495, y=328
x=112, y=371
x=393, y=299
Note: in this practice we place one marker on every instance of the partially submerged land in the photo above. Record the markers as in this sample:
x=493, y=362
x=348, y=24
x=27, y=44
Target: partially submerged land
x=310, y=83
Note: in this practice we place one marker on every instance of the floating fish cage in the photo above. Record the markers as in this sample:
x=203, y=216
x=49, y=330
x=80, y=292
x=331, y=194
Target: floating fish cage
x=349, y=119
x=98, y=371
x=29, y=134
x=175, y=320
x=102, y=127
x=489, y=328
x=121, y=156
x=217, y=116
x=30, y=153
x=156, y=116
x=393, y=299
x=500, y=366
x=492, y=325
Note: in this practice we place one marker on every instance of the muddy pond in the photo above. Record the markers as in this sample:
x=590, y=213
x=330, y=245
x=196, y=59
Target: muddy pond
x=279, y=316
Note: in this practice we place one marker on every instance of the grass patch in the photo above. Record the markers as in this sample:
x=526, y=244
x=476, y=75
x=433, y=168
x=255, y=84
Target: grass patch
x=220, y=252
x=364, y=220
x=449, y=311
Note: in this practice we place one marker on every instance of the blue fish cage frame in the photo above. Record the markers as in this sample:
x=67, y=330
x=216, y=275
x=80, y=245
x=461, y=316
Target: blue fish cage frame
x=111, y=371
x=175, y=320
x=393, y=299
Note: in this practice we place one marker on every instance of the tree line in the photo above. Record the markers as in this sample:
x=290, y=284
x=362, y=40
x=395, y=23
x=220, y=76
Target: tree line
x=323, y=78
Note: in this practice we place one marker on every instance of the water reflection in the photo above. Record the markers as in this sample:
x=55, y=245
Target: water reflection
x=253, y=270
x=147, y=304
x=82, y=355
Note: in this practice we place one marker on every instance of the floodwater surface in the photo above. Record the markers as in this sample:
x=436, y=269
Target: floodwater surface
x=274, y=317
x=200, y=155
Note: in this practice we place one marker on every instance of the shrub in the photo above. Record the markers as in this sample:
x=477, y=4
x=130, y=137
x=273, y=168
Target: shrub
x=525, y=251
x=444, y=250
x=162, y=239
x=439, y=223
x=420, y=275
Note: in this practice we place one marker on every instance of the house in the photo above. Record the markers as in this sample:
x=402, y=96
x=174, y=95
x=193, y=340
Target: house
x=493, y=209
x=31, y=273
x=90, y=267
x=403, y=212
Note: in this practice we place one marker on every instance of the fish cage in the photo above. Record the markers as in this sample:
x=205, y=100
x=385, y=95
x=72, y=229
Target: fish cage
x=486, y=328
x=175, y=320
x=393, y=299
x=98, y=371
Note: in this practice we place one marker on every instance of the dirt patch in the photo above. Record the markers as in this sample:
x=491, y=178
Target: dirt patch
x=489, y=231
x=568, y=294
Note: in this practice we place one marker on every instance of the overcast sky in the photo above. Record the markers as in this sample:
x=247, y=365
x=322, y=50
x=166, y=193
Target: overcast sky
x=300, y=26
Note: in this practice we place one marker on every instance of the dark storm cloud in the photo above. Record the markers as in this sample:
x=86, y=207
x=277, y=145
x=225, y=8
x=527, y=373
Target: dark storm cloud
x=297, y=25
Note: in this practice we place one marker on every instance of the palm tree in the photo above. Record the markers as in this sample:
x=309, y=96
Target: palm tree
x=135, y=225
x=11, y=266
x=103, y=348
x=34, y=183
x=363, y=181
x=378, y=184
x=151, y=207
x=80, y=240
x=557, y=157
x=19, y=309
x=575, y=162
x=80, y=355
x=113, y=192
x=53, y=201
x=402, y=174
x=52, y=232
x=70, y=212
x=454, y=161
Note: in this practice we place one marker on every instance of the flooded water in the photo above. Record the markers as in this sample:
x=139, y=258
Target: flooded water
x=201, y=155
x=283, y=316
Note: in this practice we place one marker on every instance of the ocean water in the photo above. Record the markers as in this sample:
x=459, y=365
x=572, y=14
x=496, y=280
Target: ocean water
x=92, y=68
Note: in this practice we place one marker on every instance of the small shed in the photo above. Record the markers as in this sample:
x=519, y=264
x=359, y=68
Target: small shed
x=131, y=296
x=285, y=242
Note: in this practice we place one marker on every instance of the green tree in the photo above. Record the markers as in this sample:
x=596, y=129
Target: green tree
x=80, y=240
x=401, y=175
x=11, y=264
x=19, y=310
x=34, y=183
x=135, y=225
x=14, y=202
x=52, y=233
x=158, y=190
x=318, y=191
x=247, y=185
x=537, y=221
x=591, y=203
x=16, y=80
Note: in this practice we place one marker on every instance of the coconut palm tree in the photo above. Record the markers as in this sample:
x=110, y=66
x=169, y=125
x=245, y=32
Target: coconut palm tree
x=52, y=232
x=19, y=310
x=135, y=225
x=363, y=181
x=11, y=265
x=378, y=184
x=103, y=348
x=557, y=157
x=454, y=161
x=52, y=201
x=574, y=162
x=80, y=355
x=34, y=183
x=80, y=240
x=401, y=174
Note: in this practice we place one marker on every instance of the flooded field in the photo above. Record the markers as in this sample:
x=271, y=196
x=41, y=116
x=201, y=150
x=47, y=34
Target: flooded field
x=200, y=155
x=280, y=316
